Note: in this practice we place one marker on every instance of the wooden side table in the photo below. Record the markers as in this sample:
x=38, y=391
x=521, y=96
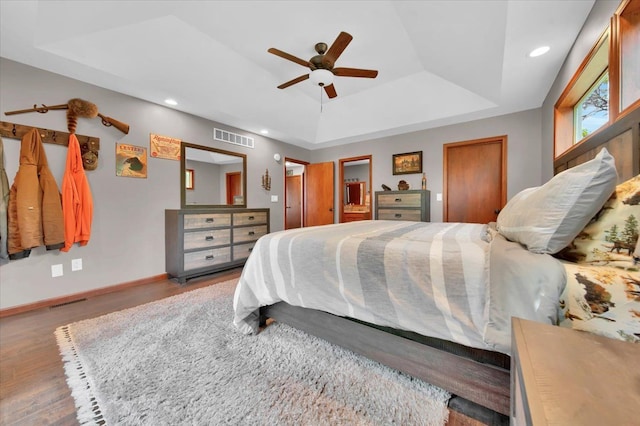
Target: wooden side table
x=566, y=377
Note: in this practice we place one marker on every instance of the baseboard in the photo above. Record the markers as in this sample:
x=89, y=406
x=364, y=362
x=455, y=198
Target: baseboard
x=84, y=295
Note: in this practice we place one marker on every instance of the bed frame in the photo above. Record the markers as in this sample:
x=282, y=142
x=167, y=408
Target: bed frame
x=478, y=379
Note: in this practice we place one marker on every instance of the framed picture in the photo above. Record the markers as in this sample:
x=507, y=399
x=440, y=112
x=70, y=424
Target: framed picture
x=131, y=160
x=407, y=163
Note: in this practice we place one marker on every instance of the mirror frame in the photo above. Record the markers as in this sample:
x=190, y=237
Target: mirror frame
x=183, y=190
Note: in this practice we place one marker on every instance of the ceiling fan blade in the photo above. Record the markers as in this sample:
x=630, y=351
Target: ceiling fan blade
x=294, y=81
x=355, y=72
x=330, y=90
x=291, y=58
x=336, y=49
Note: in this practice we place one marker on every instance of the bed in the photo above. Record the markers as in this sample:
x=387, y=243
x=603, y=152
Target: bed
x=435, y=300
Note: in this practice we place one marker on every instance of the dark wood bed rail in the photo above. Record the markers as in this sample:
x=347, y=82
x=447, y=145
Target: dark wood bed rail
x=483, y=384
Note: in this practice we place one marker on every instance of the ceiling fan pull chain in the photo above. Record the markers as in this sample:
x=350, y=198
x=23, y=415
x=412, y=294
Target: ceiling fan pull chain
x=321, y=99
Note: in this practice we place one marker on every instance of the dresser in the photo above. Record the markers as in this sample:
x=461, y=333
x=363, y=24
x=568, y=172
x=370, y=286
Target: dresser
x=567, y=377
x=203, y=241
x=411, y=205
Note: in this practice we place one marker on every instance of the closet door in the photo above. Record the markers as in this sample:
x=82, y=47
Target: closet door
x=319, y=194
x=475, y=180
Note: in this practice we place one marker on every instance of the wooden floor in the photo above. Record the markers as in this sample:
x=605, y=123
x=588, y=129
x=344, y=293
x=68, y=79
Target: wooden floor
x=33, y=387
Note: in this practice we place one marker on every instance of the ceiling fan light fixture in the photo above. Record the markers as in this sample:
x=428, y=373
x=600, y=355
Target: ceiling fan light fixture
x=321, y=77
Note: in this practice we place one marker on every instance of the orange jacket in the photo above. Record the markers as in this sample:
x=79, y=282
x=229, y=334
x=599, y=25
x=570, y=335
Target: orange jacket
x=34, y=211
x=77, y=203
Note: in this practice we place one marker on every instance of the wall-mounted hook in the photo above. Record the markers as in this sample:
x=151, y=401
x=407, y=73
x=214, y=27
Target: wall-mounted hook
x=14, y=130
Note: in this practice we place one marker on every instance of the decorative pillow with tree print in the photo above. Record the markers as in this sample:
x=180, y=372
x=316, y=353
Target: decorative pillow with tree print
x=602, y=294
x=611, y=237
x=603, y=300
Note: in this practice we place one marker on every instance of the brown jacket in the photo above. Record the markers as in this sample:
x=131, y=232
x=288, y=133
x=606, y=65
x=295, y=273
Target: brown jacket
x=35, y=208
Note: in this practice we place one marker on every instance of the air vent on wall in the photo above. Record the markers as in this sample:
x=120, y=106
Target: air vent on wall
x=234, y=138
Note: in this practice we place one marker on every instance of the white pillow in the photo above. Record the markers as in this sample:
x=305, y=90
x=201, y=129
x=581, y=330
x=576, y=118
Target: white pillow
x=547, y=218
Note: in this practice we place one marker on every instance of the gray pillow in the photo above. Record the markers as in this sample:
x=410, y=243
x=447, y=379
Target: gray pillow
x=547, y=218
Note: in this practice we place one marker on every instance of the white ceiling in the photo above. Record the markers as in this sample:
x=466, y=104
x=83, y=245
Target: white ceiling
x=439, y=62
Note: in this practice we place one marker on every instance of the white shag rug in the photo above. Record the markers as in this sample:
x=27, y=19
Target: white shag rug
x=180, y=360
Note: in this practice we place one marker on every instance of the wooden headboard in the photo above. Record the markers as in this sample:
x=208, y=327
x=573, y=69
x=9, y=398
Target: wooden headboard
x=622, y=140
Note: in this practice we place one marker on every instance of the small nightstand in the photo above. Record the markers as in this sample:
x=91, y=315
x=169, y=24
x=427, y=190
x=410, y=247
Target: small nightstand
x=411, y=205
x=567, y=377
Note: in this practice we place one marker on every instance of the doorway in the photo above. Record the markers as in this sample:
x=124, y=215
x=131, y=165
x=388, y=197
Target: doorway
x=294, y=193
x=309, y=199
x=475, y=180
x=355, y=188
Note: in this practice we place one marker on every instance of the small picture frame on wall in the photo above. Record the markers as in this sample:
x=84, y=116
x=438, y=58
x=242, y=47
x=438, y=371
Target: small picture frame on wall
x=407, y=163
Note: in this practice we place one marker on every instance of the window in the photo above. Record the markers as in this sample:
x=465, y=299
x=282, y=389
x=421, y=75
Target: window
x=578, y=112
x=189, y=178
x=606, y=85
x=592, y=111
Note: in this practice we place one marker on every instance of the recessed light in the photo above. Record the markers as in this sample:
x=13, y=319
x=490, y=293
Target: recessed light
x=264, y=131
x=539, y=51
x=170, y=102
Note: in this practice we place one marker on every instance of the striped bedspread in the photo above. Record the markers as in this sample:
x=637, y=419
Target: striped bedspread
x=430, y=278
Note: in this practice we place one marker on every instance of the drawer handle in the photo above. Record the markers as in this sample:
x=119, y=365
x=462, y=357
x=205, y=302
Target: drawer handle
x=209, y=220
x=209, y=257
x=398, y=200
x=251, y=218
x=209, y=238
x=252, y=233
x=398, y=215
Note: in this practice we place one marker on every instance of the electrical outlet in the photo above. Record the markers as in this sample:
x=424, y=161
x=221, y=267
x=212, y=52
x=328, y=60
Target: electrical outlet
x=56, y=270
x=438, y=197
x=76, y=265
x=274, y=198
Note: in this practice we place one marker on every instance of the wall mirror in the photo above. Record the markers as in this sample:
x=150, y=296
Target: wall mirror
x=211, y=177
x=355, y=192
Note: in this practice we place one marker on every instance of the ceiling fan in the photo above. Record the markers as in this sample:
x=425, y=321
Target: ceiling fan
x=321, y=65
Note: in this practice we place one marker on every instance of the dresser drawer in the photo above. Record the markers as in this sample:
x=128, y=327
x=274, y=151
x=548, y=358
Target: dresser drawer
x=249, y=218
x=209, y=238
x=399, y=214
x=399, y=200
x=205, y=258
x=206, y=220
x=248, y=233
x=242, y=251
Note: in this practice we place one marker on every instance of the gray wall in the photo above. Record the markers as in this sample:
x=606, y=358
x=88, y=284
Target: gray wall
x=207, y=188
x=523, y=153
x=127, y=241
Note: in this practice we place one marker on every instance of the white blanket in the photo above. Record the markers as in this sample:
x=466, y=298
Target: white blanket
x=429, y=278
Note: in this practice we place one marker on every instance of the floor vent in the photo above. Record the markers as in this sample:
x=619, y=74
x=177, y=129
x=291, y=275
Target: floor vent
x=67, y=303
x=234, y=138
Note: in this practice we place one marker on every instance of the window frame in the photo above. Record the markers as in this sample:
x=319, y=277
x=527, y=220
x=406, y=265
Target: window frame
x=607, y=54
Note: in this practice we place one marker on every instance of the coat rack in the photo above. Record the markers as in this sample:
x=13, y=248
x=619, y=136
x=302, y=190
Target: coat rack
x=17, y=131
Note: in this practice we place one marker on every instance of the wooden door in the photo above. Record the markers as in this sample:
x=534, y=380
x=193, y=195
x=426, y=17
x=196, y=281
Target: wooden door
x=234, y=186
x=475, y=180
x=319, y=197
x=293, y=202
